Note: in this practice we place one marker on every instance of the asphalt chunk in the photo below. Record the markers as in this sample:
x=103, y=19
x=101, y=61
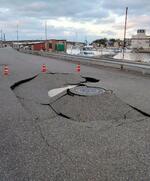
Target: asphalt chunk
x=95, y=108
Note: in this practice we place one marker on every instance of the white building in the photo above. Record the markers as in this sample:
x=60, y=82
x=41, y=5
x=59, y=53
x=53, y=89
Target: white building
x=141, y=41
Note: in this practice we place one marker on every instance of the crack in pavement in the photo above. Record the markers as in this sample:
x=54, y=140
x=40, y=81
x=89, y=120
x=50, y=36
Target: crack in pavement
x=125, y=115
x=59, y=98
x=59, y=114
x=55, y=148
x=135, y=121
x=22, y=82
x=87, y=79
x=61, y=149
x=30, y=112
x=140, y=111
x=90, y=79
x=43, y=104
x=22, y=98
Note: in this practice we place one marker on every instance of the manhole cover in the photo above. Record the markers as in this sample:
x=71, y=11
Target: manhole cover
x=87, y=91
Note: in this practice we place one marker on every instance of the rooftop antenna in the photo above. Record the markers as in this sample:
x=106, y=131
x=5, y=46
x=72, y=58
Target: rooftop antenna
x=125, y=30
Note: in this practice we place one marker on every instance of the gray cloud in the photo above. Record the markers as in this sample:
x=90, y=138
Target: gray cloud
x=46, y=8
x=31, y=13
x=136, y=7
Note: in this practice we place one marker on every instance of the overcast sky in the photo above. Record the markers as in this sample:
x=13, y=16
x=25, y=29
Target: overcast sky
x=73, y=19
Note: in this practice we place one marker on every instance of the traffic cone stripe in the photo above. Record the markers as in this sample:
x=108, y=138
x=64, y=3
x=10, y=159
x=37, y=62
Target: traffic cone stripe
x=6, y=70
x=44, y=69
x=78, y=68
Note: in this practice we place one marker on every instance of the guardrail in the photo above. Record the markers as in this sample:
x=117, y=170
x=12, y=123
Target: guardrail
x=92, y=61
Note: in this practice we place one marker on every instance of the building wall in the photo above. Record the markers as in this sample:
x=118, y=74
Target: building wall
x=141, y=43
x=50, y=45
x=141, y=40
x=38, y=47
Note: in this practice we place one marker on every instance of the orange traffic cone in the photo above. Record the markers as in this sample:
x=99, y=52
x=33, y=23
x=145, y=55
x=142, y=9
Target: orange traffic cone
x=44, y=69
x=78, y=68
x=6, y=70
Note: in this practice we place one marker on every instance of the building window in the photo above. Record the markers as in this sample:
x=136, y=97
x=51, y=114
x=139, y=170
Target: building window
x=50, y=45
x=140, y=31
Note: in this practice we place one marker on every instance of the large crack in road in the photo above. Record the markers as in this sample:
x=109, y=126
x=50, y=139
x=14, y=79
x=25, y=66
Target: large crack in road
x=93, y=133
x=33, y=95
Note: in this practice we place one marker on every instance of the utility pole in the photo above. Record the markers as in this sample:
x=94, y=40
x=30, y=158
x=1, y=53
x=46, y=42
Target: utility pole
x=17, y=33
x=86, y=41
x=125, y=30
x=76, y=36
x=46, y=36
x=1, y=38
x=4, y=37
x=46, y=30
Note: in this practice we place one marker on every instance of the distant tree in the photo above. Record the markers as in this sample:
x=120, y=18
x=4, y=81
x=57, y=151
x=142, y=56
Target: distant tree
x=111, y=41
x=100, y=42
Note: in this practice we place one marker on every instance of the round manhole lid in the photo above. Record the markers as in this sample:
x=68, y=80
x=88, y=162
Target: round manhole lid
x=87, y=91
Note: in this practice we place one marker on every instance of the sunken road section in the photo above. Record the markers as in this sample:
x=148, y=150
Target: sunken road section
x=88, y=137
x=81, y=104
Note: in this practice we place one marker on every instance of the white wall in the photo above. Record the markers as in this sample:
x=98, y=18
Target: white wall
x=140, y=41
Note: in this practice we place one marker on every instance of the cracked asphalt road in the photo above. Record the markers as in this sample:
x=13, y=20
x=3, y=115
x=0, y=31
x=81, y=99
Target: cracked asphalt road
x=61, y=119
x=70, y=137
